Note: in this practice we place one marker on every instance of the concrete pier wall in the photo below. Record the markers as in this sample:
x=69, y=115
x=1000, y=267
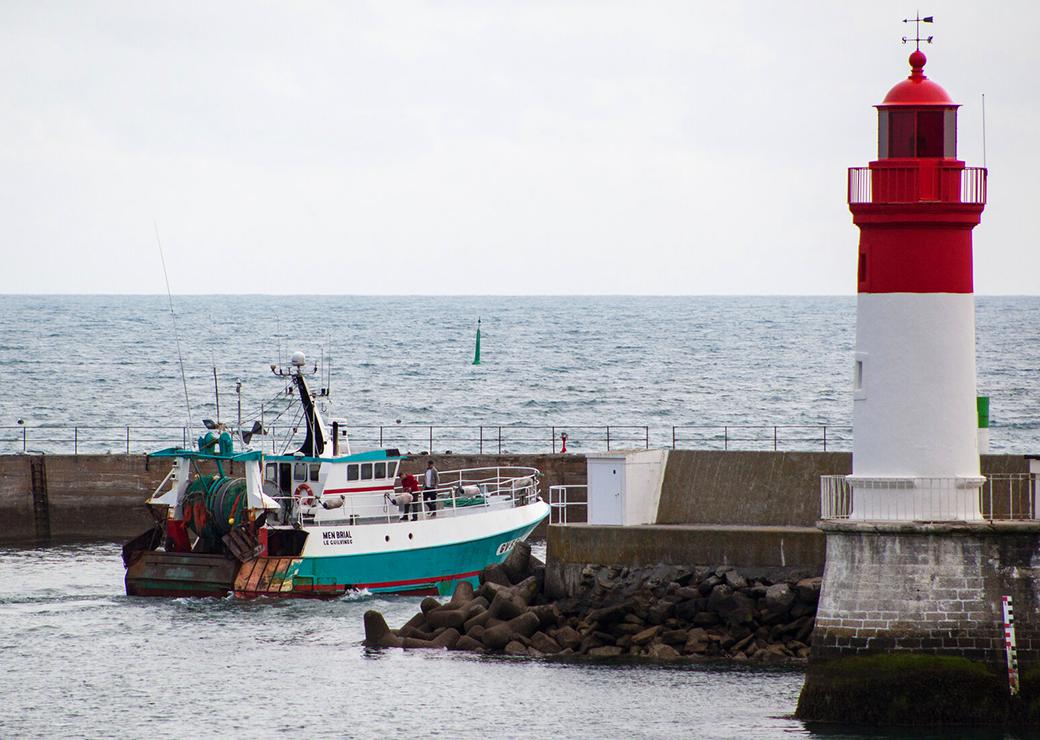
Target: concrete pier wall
x=751, y=510
x=102, y=496
x=712, y=494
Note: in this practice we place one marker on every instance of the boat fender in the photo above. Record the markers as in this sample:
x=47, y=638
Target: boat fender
x=304, y=495
x=331, y=502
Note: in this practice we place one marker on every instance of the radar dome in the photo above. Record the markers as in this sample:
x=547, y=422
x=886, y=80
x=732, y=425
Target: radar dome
x=298, y=359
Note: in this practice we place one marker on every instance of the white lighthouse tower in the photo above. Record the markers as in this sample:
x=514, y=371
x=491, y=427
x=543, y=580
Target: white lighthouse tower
x=915, y=449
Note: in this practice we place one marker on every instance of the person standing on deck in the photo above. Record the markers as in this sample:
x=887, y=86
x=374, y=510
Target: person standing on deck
x=406, y=500
x=430, y=488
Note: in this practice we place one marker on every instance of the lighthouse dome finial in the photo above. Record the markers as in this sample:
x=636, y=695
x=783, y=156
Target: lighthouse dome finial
x=917, y=62
x=917, y=90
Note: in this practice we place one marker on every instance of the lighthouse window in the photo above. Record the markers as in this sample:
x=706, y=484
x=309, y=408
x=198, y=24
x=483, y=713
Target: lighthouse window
x=380, y=471
x=930, y=133
x=352, y=472
x=916, y=133
x=863, y=267
x=901, y=133
x=366, y=471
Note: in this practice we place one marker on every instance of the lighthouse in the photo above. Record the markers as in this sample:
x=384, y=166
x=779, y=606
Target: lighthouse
x=910, y=627
x=915, y=440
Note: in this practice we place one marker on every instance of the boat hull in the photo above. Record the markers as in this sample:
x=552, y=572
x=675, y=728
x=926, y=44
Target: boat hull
x=426, y=557
x=433, y=569
x=158, y=573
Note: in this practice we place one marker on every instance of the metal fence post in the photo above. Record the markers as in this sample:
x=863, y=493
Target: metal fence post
x=774, y=439
x=824, y=437
x=380, y=435
x=500, y=440
x=128, y=440
x=75, y=440
x=25, y=438
x=553, y=439
x=608, y=439
x=725, y=438
x=673, y=436
x=646, y=430
x=481, y=440
x=431, y=439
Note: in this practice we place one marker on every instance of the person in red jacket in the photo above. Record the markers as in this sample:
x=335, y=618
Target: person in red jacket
x=406, y=500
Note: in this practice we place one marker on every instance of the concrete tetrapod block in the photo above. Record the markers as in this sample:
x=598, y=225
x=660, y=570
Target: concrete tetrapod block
x=507, y=605
x=377, y=633
x=446, y=618
x=462, y=595
x=518, y=561
x=500, y=635
x=478, y=619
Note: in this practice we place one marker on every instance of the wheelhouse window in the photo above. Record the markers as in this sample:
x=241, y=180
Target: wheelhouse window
x=380, y=471
x=352, y=472
x=315, y=471
x=366, y=471
x=391, y=470
x=300, y=471
x=271, y=472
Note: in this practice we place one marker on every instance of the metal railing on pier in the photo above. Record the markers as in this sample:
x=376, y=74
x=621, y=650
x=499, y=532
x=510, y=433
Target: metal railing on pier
x=440, y=439
x=1001, y=497
x=564, y=498
x=775, y=437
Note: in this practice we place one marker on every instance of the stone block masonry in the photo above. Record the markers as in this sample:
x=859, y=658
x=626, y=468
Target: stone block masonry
x=929, y=589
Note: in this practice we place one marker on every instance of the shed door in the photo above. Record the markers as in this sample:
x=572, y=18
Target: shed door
x=606, y=491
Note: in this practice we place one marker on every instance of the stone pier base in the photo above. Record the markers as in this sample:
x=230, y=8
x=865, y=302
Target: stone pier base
x=910, y=623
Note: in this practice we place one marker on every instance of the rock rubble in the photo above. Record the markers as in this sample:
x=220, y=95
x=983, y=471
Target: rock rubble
x=662, y=613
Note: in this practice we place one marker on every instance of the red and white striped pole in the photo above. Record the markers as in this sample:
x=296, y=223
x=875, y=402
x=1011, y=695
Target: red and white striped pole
x=1009, y=644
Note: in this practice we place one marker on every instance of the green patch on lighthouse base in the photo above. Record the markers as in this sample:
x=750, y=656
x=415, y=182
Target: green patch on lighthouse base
x=914, y=689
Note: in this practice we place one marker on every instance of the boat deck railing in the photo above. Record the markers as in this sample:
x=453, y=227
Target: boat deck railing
x=459, y=493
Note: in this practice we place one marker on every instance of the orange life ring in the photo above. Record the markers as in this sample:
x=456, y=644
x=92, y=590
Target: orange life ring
x=304, y=495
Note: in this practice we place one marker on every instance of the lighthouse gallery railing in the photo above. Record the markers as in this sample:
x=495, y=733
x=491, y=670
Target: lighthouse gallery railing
x=917, y=184
x=1003, y=497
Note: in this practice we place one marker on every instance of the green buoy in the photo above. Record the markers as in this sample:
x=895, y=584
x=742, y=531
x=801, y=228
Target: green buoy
x=476, y=350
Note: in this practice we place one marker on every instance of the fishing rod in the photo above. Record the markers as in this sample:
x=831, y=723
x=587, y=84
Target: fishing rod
x=173, y=317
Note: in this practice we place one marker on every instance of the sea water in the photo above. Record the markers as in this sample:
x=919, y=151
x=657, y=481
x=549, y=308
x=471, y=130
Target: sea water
x=102, y=363
x=78, y=658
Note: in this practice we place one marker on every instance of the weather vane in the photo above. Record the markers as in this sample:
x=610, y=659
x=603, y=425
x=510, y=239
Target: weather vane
x=918, y=21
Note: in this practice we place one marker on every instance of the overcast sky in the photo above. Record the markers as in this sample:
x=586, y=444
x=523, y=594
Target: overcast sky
x=483, y=147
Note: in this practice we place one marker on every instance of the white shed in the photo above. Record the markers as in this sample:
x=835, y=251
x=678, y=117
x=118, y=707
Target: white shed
x=625, y=486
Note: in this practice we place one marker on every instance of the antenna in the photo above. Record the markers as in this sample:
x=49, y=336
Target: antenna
x=173, y=317
x=216, y=392
x=984, y=130
x=918, y=20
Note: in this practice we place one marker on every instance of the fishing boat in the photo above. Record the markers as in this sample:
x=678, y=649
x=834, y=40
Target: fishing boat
x=321, y=521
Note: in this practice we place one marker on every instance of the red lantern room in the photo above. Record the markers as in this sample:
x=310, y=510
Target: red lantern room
x=917, y=118
x=916, y=180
